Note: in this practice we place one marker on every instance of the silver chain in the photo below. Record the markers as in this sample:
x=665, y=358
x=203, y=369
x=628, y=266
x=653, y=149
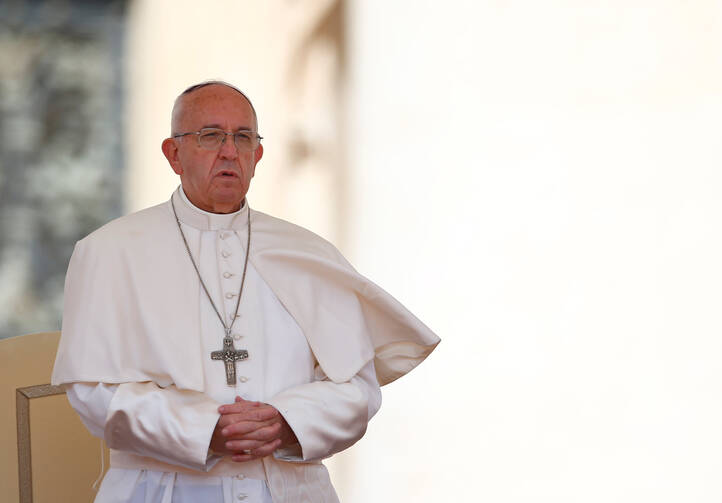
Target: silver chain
x=227, y=328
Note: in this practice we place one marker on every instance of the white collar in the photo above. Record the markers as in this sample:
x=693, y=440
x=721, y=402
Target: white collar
x=191, y=215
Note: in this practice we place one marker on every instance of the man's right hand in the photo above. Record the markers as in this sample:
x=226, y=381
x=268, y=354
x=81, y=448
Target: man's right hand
x=250, y=430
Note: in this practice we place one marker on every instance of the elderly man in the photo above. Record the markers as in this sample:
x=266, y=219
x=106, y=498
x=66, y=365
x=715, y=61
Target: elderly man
x=220, y=352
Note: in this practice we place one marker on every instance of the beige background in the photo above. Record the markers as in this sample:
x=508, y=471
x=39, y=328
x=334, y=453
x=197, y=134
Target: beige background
x=538, y=181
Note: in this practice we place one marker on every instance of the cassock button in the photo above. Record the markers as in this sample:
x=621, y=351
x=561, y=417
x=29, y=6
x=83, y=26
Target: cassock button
x=240, y=476
x=242, y=379
x=230, y=295
x=242, y=496
x=225, y=253
x=237, y=337
x=227, y=274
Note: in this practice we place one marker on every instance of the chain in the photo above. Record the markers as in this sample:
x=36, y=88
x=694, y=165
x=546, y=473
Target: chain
x=227, y=328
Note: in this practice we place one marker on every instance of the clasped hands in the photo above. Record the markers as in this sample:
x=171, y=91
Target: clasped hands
x=250, y=430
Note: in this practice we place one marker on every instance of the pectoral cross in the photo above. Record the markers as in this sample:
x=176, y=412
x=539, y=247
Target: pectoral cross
x=230, y=356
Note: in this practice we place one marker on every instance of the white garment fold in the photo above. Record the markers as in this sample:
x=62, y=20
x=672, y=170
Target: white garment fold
x=152, y=424
x=138, y=331
x=304, y=407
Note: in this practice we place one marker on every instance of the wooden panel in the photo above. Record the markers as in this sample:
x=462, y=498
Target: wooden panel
x=65, y=457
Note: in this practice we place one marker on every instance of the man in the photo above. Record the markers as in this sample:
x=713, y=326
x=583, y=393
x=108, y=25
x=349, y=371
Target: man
x=222, y=353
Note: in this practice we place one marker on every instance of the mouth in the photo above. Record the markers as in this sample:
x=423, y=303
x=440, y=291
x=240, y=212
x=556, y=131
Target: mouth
x=226, y=174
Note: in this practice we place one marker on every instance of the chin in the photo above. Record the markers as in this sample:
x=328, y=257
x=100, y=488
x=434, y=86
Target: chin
x=227, y=196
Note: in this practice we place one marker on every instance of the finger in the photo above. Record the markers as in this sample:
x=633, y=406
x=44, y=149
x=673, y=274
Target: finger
x=224, y=421
x=263, y=413
x=266, y=449
x=227, y=419
x=238, y=406
x=247, y=407
x=238, y=446
x=243, y=428
x=260, y=452
x=262, y=417
x=265, y=434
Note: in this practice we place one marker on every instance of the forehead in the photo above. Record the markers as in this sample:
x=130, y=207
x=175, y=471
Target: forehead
x=218, y=106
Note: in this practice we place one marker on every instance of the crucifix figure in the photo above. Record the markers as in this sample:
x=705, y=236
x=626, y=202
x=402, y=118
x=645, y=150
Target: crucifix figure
x=230, y=356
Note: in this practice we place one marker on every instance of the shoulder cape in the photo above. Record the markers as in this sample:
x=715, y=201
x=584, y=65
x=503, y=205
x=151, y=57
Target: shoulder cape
x=131, y=305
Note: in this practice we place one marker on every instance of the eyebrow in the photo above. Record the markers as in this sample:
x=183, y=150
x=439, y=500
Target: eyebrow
x=217, y=126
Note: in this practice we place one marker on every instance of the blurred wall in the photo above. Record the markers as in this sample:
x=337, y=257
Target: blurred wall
x=61, y=156
x=288, y=57
x=539, y=182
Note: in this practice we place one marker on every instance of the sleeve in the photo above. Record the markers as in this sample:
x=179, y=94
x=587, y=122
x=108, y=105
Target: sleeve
x=170, y=425
x=328, y=417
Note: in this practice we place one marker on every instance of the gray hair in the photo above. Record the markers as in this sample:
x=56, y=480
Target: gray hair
x=177, y=104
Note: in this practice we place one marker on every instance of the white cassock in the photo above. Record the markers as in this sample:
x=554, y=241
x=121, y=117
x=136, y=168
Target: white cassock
x=157, y=410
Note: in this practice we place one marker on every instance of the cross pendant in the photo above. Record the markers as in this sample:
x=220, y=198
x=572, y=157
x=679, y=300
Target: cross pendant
x=230, y=356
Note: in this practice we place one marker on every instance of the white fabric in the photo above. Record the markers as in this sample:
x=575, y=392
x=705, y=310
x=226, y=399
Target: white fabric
x=155, y=425
x=126, y=282
x=136, y=486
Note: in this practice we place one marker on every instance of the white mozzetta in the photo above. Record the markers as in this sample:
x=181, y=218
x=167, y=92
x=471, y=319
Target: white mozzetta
x=144, y=303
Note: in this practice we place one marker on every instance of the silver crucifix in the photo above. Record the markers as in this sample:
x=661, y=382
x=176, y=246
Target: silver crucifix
x=230, y=356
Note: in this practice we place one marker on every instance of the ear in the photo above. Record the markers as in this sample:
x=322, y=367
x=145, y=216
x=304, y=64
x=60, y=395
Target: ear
x=170, y=150
x=257, y=156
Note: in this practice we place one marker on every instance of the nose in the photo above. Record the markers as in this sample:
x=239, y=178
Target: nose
x=228, y=148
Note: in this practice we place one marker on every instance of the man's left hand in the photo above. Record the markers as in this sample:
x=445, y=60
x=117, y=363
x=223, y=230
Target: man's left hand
x=251, y=430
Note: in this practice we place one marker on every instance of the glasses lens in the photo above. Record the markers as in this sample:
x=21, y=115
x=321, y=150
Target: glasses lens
x=210, y=139
x=246, y=140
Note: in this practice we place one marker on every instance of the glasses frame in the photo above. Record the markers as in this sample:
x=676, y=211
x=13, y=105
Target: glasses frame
x=216, y=130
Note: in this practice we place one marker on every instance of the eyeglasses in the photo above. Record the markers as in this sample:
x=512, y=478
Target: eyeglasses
x=212, y=139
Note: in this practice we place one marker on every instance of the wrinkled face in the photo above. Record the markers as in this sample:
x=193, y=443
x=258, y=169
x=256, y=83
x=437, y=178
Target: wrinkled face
x=214, y=180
